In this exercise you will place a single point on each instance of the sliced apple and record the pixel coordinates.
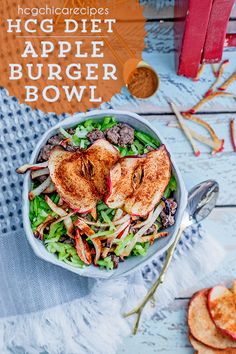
(72, 184)
(201, 325)
(81, 177)
(101, 157)
(203, 349)
(121, 179)
(138, 183)
(222, 307)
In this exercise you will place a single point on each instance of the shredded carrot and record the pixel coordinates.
(200, 71)
(218, 77)
(228, 82)
(209, 98)
(232, 134)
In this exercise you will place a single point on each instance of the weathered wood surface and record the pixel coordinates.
(167, 332)
(195, 169)
(160, 53)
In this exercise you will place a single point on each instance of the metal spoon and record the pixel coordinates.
(201, 201)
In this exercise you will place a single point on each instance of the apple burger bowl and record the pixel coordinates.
(102, 195)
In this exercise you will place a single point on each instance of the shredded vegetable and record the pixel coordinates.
(33, 167)
(106, 263)
(103, 236)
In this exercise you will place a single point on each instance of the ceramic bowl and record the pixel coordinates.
(133, 263)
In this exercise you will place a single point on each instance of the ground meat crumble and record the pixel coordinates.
(121, 135)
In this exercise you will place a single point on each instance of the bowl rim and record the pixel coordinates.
(67, 122)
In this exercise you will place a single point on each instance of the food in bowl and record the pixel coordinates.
(101, 191)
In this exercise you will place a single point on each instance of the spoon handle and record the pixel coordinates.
(170, 252)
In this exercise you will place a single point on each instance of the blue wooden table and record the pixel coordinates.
(167, 332)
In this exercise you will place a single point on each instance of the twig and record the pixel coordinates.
(139, 309)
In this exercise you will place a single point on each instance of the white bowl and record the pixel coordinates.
(133, 263)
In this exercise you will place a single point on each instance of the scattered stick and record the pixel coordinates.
(218, 77)
(200, 71)
(217, 147)
(221, 68)
(228, 82)
(204, 124)
(210, 97)
(214, 69)
(185, 128)
(232, 134)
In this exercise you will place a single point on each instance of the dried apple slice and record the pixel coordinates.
(201, 325)
(203, 349)
(121, 179)
(100, 157)
(222, 307)
(138, 183)
(81, 177)
(72, 183)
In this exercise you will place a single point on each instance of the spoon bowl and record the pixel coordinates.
(202, 199)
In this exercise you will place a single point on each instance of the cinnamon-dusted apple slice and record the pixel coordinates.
(123, 176)
(101, 157)
(81, 177)
(222, 307)
(138, 183)
(201, 325)
(203, 349)
(68, 173)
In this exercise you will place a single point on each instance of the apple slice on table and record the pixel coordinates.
(201, 326)
(222, 307)
(203, 349)
(138, 183)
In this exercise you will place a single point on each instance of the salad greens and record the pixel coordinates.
(54, 233)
